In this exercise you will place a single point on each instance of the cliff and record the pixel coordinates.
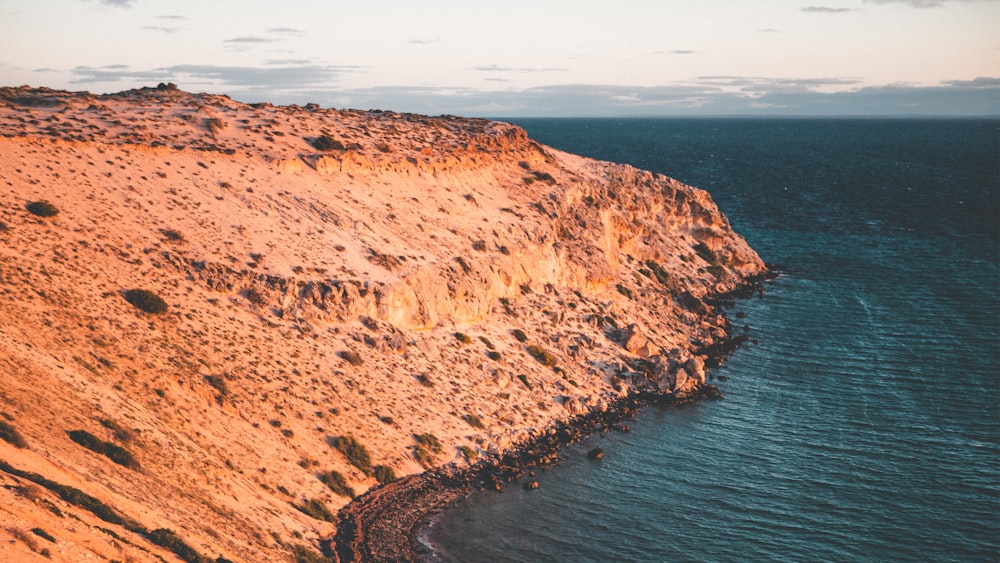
(218, 320)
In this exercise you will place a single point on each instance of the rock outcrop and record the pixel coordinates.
(426, 291)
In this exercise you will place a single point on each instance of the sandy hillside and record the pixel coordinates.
(416, 291)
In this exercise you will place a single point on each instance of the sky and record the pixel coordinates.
(525, 58)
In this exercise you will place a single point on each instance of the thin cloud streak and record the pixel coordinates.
(825, 10)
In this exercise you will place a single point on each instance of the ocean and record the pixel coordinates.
(862, 423)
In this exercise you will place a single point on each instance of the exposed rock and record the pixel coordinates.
(596, 453)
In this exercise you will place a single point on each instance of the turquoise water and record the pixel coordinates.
(865, 424)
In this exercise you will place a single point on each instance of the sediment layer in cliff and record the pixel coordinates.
(349, 296)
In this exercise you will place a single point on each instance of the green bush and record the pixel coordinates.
(473, 420)
(524, 380)
(463, 338)
(351, 357)
(304, 554)
(355, 452)
(42, 209)
(168, 539)
(542, 355)
(493, 355)
(327, 143)
(519, 335)
(705, 253)
(469, 453)
(115, 453)
(10, 435)
(486, 341)
(315, 508)
(337, 483)
(383, 474)
(427, 446)
(146, 300)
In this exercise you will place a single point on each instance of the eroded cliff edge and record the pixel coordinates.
(351, 296)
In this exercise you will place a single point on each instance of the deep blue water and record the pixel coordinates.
(865, 425)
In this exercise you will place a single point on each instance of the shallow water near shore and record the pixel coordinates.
(865, 423)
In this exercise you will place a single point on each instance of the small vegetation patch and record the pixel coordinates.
(315, 508)
(172, 234)
(305, 554)
(42, 209)
(337, 483)
(524, 379)
(383, 474)
(146, 301)
(427, 447)
(351, 357)
(169, 540)
(355, 452)
(705, 253)
(486, 341)
(327, 143)
(463, 338)
(624, 290)
(542, 355)
(473, 420)
(10, 435)
(114, 452)
(519, 335)
(493, 355)
(469, 453)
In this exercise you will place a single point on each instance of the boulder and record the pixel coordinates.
(637, 343)
(696, 369)
(596, 453)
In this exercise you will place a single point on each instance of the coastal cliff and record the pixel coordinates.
(219, 322)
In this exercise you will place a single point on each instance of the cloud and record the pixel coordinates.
(281, 80)
(250, 39)
(172, 18)
(825, 10)
(162, 29)
(119, 3)
(286, 31)
(498, 68)
(712, 96)
(422, 41)
(914, 3)
(767, 30)
(681, 52)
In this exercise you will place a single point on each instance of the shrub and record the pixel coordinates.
(351, 357)
(493, 355)
(463, 338)
(214, 125)
(337, 483)
(315, 508)
(542, 355)
(218, 382)
(624, 290)
(473, 420)
(427, 446)
(487, 342)
(10, 435)
(42, 209)
(519, 335)
(168, 539)
(3, 227)
(172, 234)
(469, 453)
(304, 554)
(43, 534)
(355, 452)
(327, 143)
(524, 380)
(383, 474)
(705, 253)
(256, 297)
(115, 453)
(146, 301)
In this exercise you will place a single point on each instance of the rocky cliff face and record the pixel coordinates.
(413, 292)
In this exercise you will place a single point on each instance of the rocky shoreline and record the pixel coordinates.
(384, 524)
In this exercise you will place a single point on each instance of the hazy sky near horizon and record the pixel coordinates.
(525, 58)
